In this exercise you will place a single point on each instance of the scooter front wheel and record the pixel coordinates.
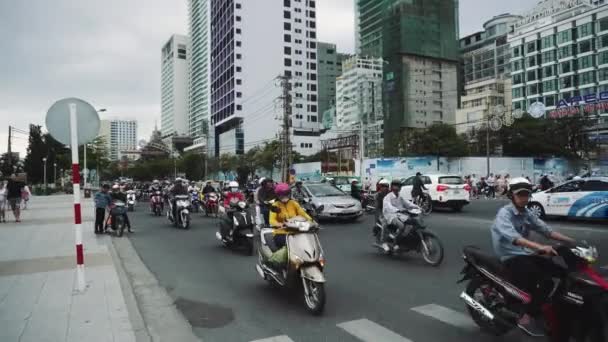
(314, 296)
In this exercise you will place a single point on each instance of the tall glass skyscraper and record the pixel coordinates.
(198, 118)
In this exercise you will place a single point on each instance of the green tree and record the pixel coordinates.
(193, 164)
(440, 140)
(227, 162)
(270, 156)
(9, 164)
(36, 150)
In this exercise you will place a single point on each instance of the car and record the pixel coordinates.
(336, 203)
(583, 198)
(445, 190)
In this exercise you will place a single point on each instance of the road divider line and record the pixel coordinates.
(281, 338)
(368, 331)
(446, 315)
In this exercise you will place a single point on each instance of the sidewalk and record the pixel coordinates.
(37, 278)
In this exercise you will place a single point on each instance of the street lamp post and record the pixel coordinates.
(54, 174)
(44, 173)
(85, 166)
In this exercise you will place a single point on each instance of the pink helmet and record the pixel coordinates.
(282, 190)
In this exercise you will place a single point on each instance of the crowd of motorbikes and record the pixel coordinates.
(494, 304)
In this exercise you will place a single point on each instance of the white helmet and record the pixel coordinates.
(384, 182)
(155, 181)
(519, 184)
(261, 180)
(577, 178)
(234, 186)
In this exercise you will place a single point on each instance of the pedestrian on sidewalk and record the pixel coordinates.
(13, 195)
(2, 201)
(25, 195)
(102, 202)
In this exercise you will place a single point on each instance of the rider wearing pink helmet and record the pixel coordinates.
(283, 210)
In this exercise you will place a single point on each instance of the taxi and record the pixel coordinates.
(583, 198)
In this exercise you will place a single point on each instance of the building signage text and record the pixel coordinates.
(589, 103)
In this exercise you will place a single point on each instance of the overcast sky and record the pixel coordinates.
(108, 52)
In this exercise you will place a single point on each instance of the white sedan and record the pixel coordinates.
(445, 190)
(586, 197)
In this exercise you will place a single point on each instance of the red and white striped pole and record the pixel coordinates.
(77, 212)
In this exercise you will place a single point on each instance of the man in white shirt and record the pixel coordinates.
(394, 210)
(491, 181)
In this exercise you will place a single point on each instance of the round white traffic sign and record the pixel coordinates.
(495, 123)
(58, 121)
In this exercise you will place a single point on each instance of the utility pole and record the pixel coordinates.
(286, 137)
(10, 155)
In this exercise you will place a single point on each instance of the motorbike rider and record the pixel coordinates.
(118, 195)
(284, 209)
(525, 259)
(208, 189)
(233, 194)
(418, 186)
(392, 205)
(153, 189)
(383, 187)
(298, 192)
(355, 191)
(178, 188)
(265, 194)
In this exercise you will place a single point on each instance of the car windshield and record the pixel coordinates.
(324, 190)
(453, 180)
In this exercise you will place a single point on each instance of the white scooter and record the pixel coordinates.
(131, 200)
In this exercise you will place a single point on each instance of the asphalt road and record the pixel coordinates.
(370, 297)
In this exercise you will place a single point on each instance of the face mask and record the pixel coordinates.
(234, 189)
(284, 200)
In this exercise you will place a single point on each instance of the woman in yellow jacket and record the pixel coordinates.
(287, 209)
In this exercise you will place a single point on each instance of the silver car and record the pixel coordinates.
(336, 204)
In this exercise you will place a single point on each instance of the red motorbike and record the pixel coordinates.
(578, 305)
(156, 203)
(211, 204)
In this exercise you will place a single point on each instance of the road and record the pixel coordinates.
(370, 297)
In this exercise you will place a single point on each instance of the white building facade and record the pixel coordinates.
(251, 46)
(359, 98)
(120, 135)
(199, 59)
(174, 87)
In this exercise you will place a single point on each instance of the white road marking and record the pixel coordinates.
(282, 338)
(368, 331)
(447, 316)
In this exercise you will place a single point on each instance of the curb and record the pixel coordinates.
(155, 316)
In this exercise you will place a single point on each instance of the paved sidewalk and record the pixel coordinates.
(37, 278)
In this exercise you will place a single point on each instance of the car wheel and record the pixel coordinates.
(537, 209)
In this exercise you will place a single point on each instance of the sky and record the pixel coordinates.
(108, 53)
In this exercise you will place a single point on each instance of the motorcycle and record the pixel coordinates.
(182, 210)
(156, 203)
(195, 200)
(578, 305)
(368, 202)
(131, 199)
(116, 220)
(211, 204)
(305, 262)
(310, 208)
(418, 238)
(236, 228)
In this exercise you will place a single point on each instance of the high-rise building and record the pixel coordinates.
(174, 87)
(559, 61)
(369, 15)
(199, 89)
(420, 47)
(359, 101)
(485, 70)
(330, 67)
(120, 135)
(250, 46)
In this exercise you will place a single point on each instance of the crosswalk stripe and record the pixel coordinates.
(282, 338)
(368, 331)
(447, 316)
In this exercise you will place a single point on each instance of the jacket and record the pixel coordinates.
(393, 203)
(288, 210)
(230, 195)
(102, 199)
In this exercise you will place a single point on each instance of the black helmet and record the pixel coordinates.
(396, 182)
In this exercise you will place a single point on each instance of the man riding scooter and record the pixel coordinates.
(383, 187)
(118, 195)
(178, 188)
(523, 258)
(233, 195)
(392, 206)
